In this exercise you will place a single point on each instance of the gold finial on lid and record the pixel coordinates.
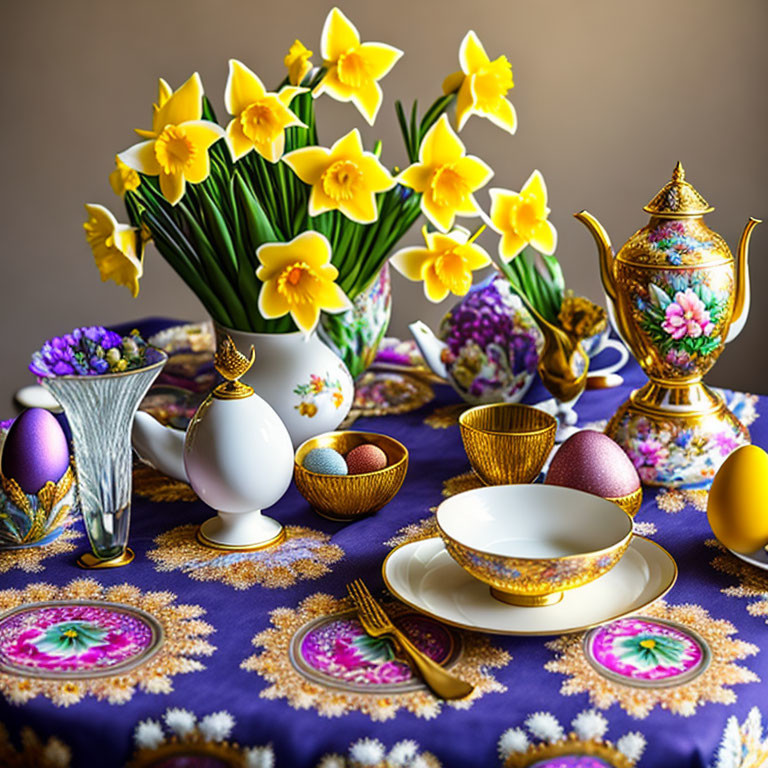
(231, 364)
(678, 198)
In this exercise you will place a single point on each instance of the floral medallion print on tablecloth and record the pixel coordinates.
(467, 481)
(422, 529)
(318, 657)
(676, 500)
(384, 393)
(743, 745)
(156, 486)
(66, 643)
(305, 554)
(30, 558)
(180, 740)
(543, 743)
(33, 752)
(672, 655)
(753, 582)
(371, 753)
(445, 416)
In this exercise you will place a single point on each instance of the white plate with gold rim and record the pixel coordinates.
(424, 576)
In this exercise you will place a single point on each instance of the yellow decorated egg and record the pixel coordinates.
(738, 500)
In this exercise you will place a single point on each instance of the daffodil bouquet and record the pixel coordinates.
(267, 226)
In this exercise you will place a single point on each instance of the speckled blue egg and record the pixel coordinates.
(325, 461)
(35, 450)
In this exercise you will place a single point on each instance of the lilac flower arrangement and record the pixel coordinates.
(89, 351)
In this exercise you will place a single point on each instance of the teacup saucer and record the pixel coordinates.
(424, 576)
(758, 558)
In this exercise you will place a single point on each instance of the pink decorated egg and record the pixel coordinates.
(590, 461)
(366, 458)
(35, 450)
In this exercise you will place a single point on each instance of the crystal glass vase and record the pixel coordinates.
(100, 412)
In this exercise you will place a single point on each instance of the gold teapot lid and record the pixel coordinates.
(231, 364)
(678, 198)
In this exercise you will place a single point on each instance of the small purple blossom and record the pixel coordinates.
(89, 351)
(725, 442)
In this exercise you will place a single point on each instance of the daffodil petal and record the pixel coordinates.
(379, 58)
(367, 98)
(243, 87)
(141, 157)
(202, 134)
(272, 150)
(409, 262)
(472, 55)
(184, 105)
(164, 92)
(289, 92)
(308, 163)
(145, 134)
(348, 146)
(360, 208)
(272, 304)
(104, 218)
(312, 247)
(377, 177)
(441, 145)
(465, 103)
(501, 208)
(475, 256)
(273, 258)
(416, 176)
(319, 202)
(504, 116)
(441, 216)
(305, 316)
(434, 288)
(172, 186)
(474, 171)
(331, 298)
(331, 85)
(339, 35)
(544, 238)
(535, 187)
(239, 144)
(510, 245)
(468, 207)
(453, 82)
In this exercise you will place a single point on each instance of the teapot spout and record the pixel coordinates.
(430, 347)
(742, 297)
(605, 250)
(159, 446)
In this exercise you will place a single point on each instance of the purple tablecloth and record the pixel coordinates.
(683, 725)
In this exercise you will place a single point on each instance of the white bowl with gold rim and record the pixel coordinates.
(530, 543)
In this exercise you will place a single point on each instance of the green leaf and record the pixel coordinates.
(258, 225)
(658, 296)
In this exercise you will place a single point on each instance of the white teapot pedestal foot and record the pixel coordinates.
(241, 531)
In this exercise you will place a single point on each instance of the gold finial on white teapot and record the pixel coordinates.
(232, 364)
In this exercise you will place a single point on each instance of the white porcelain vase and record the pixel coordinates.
(305, 382)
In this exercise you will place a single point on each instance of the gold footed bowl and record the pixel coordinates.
(531, 543)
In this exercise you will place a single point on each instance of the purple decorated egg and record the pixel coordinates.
(35, 450)
(590, 461)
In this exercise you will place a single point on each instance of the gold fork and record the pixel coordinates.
(376, 623)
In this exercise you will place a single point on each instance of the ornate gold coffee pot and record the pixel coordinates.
(677, 298)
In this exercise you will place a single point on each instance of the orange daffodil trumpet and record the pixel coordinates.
(445, 265)
(446, 176)
(260, 117)
(117, 248)
(297, 62)
(344, 178)
(521, 218)
(481, 86)
(354, 68)
(176, 149)
(298, 278)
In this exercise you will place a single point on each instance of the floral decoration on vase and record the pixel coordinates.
(317, 656)
(371, 753)
(66, 643)
(305, 554)
(743, 745)
(544, 743)
(319, 387)
(181, 739)
(33, 751)
(676, 657)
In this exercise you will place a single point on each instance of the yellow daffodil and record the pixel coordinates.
(117, 248)
(260, 117)
(482, 86)
(298, 277)
(343, 178)
(176, 149)
(297, 62)
(522, 218)
(123, 179)
(354, 68)
(446, 176)
(445, 265)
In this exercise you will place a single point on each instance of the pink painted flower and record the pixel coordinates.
(687, 316)
(726, 443)
(647, 456)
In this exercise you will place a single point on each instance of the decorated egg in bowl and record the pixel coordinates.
(530, 543)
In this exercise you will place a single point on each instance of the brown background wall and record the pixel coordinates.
(609, 95)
